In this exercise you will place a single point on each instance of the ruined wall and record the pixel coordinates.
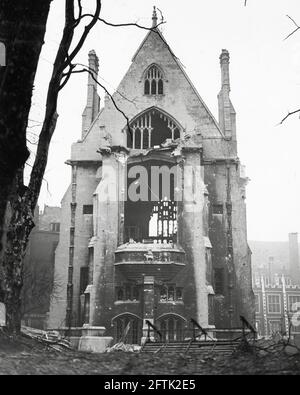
(58, 305)
(237, 287)
(181, 101)
(105, 244)
(86, 183)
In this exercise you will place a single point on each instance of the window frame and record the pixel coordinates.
(257, 311)
(158, 80)
(268, 303)
(290, 304)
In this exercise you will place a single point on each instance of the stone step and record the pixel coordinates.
(222, 347)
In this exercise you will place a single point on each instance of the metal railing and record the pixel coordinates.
(152, 328)
(195, 332)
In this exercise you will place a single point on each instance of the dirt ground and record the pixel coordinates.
(23, 357)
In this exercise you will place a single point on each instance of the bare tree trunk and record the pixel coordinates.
(24, 200)
(20, 226)
(22, 30)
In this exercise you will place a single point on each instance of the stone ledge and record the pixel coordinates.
(89, 330)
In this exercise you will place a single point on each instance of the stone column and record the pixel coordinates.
(192, 232)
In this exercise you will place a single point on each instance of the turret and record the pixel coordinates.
(154, 17)
(93, 100)
(226, 110)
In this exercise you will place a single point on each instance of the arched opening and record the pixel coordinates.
(150, 211)
(171, 327)
(151, 129)
(127, 328)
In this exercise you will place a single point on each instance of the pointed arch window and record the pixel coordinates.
(151, 129)
(153, 81)
(172, 328)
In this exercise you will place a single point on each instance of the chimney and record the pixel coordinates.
(226, 110)
(294, 258)
(93, 100)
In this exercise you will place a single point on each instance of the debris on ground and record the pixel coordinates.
(28, 356)
(51, 339)
(121, 346)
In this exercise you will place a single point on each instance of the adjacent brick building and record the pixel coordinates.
(39, 279)
(276, 285)
(157, 257)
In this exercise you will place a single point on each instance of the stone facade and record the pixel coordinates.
(39, 278)
(276, 286)
(277, 305)
(119, 262)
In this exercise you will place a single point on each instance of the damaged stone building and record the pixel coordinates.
(134, 244)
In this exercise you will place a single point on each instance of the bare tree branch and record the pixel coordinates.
(87, 29)
(294, 31)
(79, 9)
(295, 23)
(87, 70)
(124, 24)
(63, 59)
(288, 115)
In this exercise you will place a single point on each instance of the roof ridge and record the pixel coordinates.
(180, 65)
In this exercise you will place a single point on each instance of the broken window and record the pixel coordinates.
(170, 293)
(151, 129)
(153, 84)
(128, 292)
(150, 211)
(163, 221)
(154, 222)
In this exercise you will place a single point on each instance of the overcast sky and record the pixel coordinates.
(265, 85)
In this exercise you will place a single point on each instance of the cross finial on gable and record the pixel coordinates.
(154, 17)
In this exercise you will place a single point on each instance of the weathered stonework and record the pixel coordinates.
(133, 280)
